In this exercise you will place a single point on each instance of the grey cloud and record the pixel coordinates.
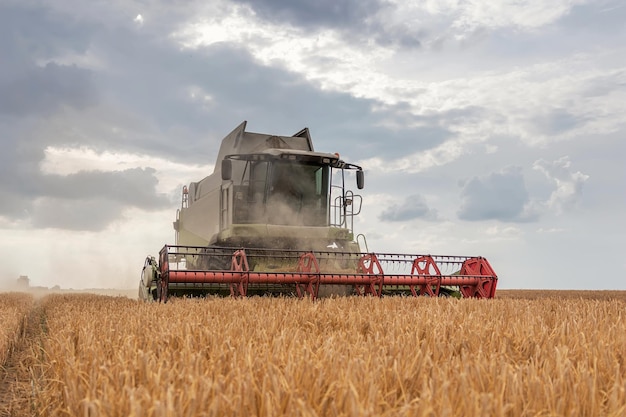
(363, 141)
(21, 153)
(29, 34)
(357, 20)
(605, 84)
(42, 90)
(36, 197)
(556, 121)
(132, 187)
(29, 82)
(26, 192)
(272, 100)
(83, 214)
(594, 19)
(335, 13)
(14, 205)
(393, 131)
(497, 196)
(406, 36)
(413, 207)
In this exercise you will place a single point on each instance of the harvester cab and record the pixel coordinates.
(275, 216)
(271, 192)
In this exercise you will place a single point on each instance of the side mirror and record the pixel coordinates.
(227, 169)
(360, 179)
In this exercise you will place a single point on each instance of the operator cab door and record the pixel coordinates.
(226, 204)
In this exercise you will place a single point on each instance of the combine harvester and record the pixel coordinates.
(276, 217)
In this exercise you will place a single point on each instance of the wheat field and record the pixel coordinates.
(13, 310)
(516, 355)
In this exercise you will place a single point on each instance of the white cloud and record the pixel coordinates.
(551, 230)
(525, 15)
(538, 103)
(504, 232)
(504, 196)
(322, 55)
(201, 97)
(568, 183)
(419, 161)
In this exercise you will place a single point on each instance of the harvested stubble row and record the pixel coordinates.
(354, 356)
(13, 310)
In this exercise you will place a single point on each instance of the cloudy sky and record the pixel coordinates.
(485, 128)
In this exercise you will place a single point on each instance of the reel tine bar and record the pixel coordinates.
(417, 274)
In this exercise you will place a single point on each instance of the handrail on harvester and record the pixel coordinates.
(307, 270)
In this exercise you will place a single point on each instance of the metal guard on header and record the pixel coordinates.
(307, 270)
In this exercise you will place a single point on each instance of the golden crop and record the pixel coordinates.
(13, 309)
(356, 356)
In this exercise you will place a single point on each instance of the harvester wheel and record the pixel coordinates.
(162, 291)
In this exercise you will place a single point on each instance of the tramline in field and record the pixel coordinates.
(276, 217)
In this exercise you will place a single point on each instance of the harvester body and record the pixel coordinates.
(275, 216)
(269, 191)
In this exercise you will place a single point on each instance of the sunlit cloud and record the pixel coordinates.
(66, 161)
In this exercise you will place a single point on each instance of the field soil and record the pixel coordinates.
(14, 372)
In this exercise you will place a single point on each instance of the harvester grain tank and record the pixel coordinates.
(275, 216)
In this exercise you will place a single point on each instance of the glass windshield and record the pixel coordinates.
(282, 193)
(298, 194)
